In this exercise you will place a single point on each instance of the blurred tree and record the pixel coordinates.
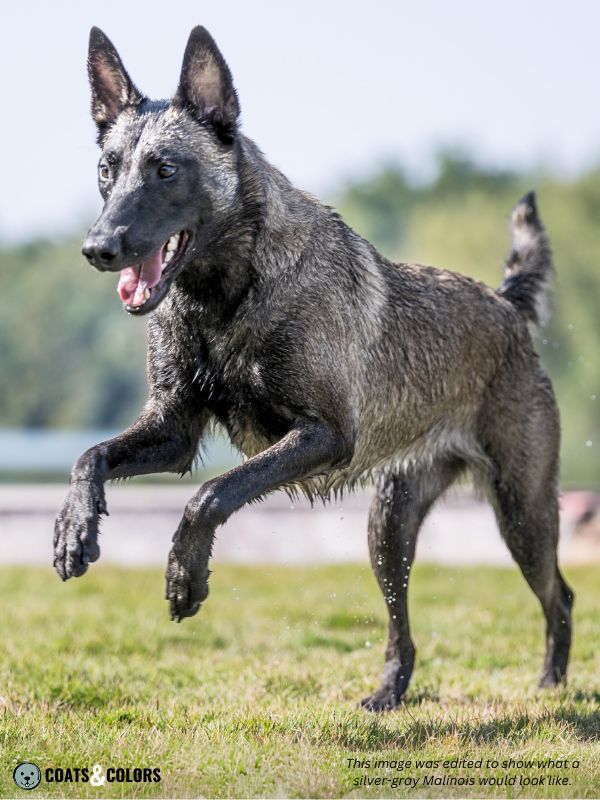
(69, 357)
(381, 205)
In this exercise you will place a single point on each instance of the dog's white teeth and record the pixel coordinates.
(173, 243)
(140, 298)
(172, 247)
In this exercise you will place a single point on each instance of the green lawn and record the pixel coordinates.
(257, 695)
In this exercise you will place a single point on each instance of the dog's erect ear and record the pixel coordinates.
(112, 88)
(206, 85)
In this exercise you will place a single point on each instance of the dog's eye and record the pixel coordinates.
(166, 171)
(103, 172)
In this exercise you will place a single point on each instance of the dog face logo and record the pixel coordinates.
(27, 775)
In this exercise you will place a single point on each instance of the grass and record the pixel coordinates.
(257, 696)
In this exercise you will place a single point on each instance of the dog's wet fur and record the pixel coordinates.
(327, 364)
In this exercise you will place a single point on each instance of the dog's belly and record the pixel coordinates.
(447, 437)
(249, 441)
(255, 428)
(383, 442)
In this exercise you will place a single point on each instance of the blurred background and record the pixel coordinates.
(423, 123)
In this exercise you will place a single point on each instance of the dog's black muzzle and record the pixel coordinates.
(104, 249)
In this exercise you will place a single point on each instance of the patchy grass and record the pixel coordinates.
(257, 696)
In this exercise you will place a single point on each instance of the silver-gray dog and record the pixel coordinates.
(326, 363)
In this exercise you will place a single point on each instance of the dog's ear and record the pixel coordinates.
(206, 86)
(112, 88)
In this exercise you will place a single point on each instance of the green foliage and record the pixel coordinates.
(70, 357)
(257, 696)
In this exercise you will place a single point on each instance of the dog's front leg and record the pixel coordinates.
(307, 450)
(163, 439)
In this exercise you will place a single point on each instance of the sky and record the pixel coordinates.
(330, 89)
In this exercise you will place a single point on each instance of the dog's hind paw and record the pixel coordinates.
(76, 530)
(384, 699)
(187, 585)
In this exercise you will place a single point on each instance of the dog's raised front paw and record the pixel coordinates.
(76, 529)
(187, 584)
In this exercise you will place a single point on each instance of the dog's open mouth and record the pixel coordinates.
(143, 286)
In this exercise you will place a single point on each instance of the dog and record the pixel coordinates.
(327, 364)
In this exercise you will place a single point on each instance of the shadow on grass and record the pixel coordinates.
(401, 729)
(586, 697)
(86, 695)
(329, 642)
(585, 723)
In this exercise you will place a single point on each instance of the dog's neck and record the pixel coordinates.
(248, 248)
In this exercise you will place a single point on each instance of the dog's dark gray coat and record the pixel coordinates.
(326, 363)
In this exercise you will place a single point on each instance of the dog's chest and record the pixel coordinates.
(234, 388)
(234, 385)
(224, 370)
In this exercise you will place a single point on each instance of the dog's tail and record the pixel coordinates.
(529, 268)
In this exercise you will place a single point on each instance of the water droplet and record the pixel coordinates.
(589, 443)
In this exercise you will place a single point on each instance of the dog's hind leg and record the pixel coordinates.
(524, 452)
(401, 502)
(529, 525)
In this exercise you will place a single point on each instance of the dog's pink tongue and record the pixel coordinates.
(134, 281)
(128, 282)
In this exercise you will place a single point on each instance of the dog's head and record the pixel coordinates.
(167, 172)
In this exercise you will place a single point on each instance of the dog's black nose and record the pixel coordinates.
(101, 251)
